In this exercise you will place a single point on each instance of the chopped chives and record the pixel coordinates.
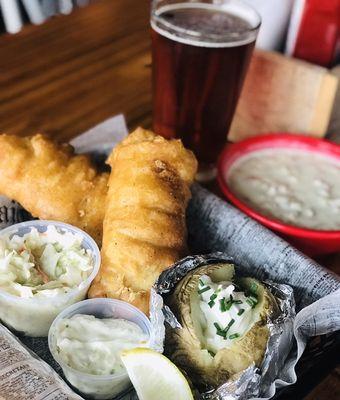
(204, 289)
(220, 331)
(253, 288)
(228, 326)
(248, 301)
(213, 296)
(211, 303)
(252, 302)
(241, 311)
(234, 336)
(218, 328)
(223, 305)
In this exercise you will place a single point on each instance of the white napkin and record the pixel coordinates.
(102, 137)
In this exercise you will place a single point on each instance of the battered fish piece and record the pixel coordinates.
(144, 228)
(50, 182)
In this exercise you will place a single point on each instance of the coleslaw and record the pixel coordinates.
(43, 264)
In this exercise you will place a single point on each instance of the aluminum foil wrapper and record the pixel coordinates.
(253, 382)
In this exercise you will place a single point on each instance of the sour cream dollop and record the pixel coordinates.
(93, 345)
(228, 312)
(43, 264)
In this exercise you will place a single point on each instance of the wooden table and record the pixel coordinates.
(71, 73)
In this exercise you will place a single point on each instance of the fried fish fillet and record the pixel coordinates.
(50, 182)
(144, 228)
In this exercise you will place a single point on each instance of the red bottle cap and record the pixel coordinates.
(314, 31)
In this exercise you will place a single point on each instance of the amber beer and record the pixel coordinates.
(201, 53)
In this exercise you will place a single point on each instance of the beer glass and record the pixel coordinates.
(201, 50)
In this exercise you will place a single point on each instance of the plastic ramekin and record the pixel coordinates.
(34, 316)
(99, 386)
(311, 241)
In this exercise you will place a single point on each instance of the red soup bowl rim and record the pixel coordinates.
(234, 151)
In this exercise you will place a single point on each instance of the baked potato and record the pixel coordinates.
(224, 324)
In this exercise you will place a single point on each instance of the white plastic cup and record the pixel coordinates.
(34, 316)
(99, 386)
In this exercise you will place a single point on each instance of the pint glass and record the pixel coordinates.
(201, 51)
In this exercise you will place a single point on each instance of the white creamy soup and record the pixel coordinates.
(294, 186)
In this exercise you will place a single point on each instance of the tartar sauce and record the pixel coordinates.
(228, 312)
(93, 345)
(297, 187)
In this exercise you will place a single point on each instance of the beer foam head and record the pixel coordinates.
(228, 24)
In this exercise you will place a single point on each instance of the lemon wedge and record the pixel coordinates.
(154, 376)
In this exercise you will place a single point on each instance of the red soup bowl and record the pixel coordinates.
(311, 241)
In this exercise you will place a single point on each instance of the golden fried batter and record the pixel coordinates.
(50, 182)
(144, 224)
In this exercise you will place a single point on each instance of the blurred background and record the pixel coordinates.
(16, 13)
(296, 27)
(48, 45)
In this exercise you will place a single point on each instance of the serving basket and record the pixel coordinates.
(214, 225)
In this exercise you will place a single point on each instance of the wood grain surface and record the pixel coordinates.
(74, 71)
